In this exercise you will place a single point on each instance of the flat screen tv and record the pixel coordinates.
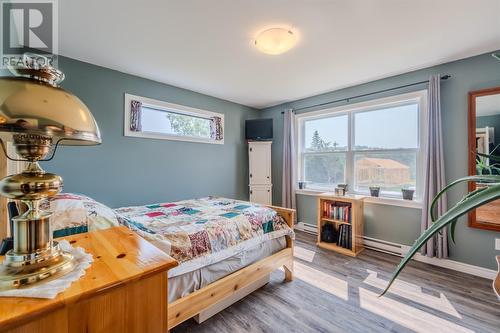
(259, 129)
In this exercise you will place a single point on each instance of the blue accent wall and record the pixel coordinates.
(397, 224)
(126, 171)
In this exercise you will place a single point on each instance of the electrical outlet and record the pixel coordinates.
(497, 244)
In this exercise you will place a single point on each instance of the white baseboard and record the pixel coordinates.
(400, 250)
(458, 266)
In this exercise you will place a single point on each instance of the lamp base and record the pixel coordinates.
(21, 270)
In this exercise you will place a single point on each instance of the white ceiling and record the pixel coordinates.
(206, 46)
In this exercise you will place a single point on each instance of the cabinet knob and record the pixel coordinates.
(251, 192)
(250, 149)
(268, 190)
(267, 177)
(250, 175)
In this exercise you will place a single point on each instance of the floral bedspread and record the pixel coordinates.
(203, 231)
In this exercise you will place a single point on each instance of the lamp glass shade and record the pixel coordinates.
(275, 41)
(35, 107)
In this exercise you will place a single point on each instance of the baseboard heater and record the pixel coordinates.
(306, 227)
(385, 246)
(368, 242)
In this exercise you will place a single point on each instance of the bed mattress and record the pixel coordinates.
(184, 284)
(201, 232)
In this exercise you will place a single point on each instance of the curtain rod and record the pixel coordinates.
(347, 99)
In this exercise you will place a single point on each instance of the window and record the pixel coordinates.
(149, 118)
(376, 143)
(325, 150)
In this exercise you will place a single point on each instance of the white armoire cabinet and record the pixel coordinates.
(259, 157)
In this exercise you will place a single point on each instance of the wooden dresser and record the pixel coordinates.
(124, 290)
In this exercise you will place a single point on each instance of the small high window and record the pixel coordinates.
(149, 118)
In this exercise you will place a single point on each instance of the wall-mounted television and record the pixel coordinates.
(259, 129)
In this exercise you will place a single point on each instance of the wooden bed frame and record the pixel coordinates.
(191, 305)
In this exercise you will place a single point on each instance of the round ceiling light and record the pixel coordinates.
(275, 41)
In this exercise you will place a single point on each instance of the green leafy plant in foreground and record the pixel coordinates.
(473, 200)
(484, 165)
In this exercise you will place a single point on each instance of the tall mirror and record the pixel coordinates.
(484, 137)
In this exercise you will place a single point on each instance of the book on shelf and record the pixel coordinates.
(344, 236)
(339, 236)
(338, 212)
(349, 238)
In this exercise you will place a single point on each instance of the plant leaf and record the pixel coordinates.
(492, 157)
(477, 199)
(485, 178)
(454, 223)
(452, 230)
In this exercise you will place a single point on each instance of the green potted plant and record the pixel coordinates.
(471, 201)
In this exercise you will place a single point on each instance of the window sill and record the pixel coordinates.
(394, 202)
(160, 136)
(367, 199)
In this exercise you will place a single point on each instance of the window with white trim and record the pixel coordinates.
(149, 118)
(375, 143)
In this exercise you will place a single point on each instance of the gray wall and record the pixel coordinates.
(402, 225)
(133, 171)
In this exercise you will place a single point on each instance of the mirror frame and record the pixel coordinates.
(473, 95)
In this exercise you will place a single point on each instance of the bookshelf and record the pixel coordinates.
(344, 217)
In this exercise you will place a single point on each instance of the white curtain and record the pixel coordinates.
(434, 177)
(288, 181)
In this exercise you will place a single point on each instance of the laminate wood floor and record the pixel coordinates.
(335, 293)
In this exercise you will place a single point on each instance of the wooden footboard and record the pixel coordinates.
(194, 303)
(288, 215)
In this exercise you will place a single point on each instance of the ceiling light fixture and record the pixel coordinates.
(275, 41)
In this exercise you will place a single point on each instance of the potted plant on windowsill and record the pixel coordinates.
(479, 197)
(302, 184)
(407, 192)
(374, 190)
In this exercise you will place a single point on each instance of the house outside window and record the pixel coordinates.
(374, 143)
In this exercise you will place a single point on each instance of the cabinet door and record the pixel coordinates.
(261, 195)
(260, 163)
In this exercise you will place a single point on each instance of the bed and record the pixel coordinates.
(225, 248)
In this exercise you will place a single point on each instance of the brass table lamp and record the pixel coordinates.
(37, 116)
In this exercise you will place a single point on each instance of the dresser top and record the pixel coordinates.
(120, 256)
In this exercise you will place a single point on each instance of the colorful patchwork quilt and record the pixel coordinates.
(203, 231)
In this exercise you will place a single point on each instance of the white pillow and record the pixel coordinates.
(75, 213)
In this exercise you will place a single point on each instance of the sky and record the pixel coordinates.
(391, 128)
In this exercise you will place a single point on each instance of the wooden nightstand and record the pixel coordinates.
(124, 290)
